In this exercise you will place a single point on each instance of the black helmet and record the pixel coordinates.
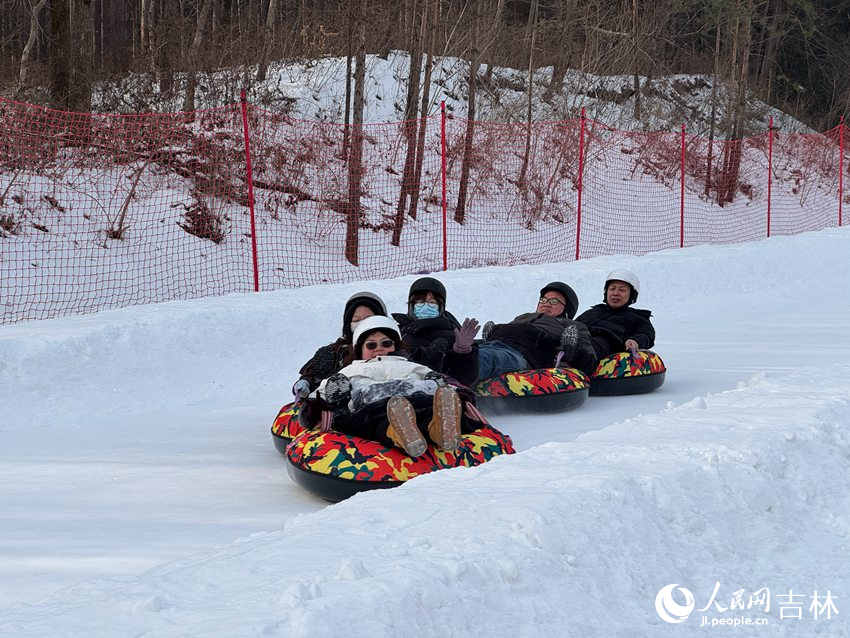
(426, 285)
(570, 295)
(368, 299)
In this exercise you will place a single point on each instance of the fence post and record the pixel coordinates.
(841, 127)
(580, 183)
(443, 171)
(682, 195)
(250, 191)
(769, 169)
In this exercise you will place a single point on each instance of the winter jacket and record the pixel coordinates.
(380, 378)
(537, 337)
(430, 342)
(326, 361)
(373, 383)
(611, 327)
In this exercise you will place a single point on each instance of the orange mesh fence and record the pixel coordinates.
(104, 211)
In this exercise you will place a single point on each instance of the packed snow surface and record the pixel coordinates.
(140, 493)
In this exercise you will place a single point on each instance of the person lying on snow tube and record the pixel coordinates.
(331, 358)
(614, 326)
(545, 338)
(385, 397)
(433, 337)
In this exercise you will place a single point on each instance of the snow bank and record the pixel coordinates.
(568, 539)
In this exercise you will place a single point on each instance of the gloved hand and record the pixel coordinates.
(301, 389)
(465, 335)
(488, 328)
(337, 390)
(436, 376)
(324, 363)
(632, 346)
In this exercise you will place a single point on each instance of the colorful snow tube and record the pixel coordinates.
(286, 427)
(626, 373)
(335, 466)
(543, 390)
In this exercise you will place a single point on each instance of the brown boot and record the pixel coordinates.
(444, 428)
(402, 430)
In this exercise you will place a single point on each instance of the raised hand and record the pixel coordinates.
(465, 335)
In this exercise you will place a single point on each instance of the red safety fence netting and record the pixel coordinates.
(104, 211)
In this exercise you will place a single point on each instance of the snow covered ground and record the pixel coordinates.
(140, 493)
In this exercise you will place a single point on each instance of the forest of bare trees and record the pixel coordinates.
(791, 54)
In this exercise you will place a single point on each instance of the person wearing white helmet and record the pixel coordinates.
(614, 325)
(383, 396)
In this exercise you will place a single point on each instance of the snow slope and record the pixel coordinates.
(140, 492)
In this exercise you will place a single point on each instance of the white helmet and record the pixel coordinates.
(377, 322)
(626, 276)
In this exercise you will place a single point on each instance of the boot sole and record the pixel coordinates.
(447, 412)
(402, 420)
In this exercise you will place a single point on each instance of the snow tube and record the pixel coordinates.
(286, 427)
(543, 390)
(626, 373)
(335, 466)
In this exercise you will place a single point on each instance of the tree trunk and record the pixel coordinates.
(636, 53)
(713, 114)
(31, 40)
(82, 52)
(463, 188)
(495, 28)
(410, 122)
(194, 50)
(734, 165)
(355, 155)
(348, 58)
(431, 18)
(59, 47)
(266, 43)
(532, 28)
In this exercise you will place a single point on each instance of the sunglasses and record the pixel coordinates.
(384, 343)
(550, 301)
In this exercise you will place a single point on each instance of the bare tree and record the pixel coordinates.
(194, 51)
(430, 18)
(410, 123)
(532, 35)
(463, 188)
(355, 155)
(35, 11)
(266, 41)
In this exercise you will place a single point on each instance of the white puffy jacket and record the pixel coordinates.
(383, 377)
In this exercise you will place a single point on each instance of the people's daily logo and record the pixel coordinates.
(669, 609)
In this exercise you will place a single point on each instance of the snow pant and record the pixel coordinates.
(495, 358)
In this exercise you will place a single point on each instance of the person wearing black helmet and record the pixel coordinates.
(614, 325)
(330, 358)
(433, 337)
(541, 339)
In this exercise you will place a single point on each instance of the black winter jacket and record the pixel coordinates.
(611, 327)
(537, 337)
(430, 342)
(326, 361)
